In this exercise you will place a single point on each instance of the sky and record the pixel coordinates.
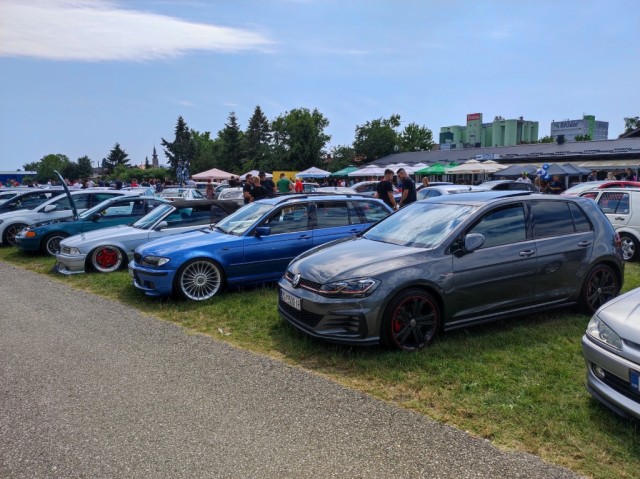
(79, 76)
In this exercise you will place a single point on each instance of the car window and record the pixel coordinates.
(368, 211)
(614, 202)
(551, 218)
(289, 219)
(100, 197)
(81, 201)
(504, 225)
(580, 221)
(331, 214)
(62, 203)
(125, 208)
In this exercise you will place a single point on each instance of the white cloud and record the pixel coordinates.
(99, 30)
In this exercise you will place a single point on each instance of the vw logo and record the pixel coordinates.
(296, 281)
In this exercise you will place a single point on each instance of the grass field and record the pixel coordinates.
(517, 382)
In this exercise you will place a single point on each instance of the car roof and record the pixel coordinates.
(227, 205)
(482, 197)
(298, 197)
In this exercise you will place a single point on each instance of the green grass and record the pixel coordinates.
(518, 382)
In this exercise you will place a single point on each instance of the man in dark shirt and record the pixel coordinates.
(246, 189)
(384, 190)
(267, 184)
(258, 191)
(408, 188)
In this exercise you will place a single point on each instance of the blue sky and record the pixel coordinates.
(77, 76)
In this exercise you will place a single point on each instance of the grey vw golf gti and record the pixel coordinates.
(453, 261)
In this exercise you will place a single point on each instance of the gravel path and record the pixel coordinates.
(91, 388)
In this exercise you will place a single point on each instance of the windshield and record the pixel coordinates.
(243, 219)
(152, 217)
(422, 225)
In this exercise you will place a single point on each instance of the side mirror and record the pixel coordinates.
(473, 241)
(96, 217)
(50, 208)
(263, 231)
(162, 225)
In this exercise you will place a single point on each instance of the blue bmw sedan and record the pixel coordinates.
(254, 245)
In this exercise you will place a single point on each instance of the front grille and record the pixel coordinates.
(137, 257)
(309, 319)
(620, 385)
(304, 283)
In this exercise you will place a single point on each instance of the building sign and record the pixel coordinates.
(489, 156)
(565, 124)
(474, 116)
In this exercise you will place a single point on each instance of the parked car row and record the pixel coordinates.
(351, 271)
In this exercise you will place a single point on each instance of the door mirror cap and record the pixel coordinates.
(472, 242)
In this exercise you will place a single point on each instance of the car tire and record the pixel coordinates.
(10, 232)
(51, 243)
(199, 280)
(600, 285)
(630, 247)
(411, 320)
(107, 259)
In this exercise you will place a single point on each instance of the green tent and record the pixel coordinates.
(345, 171)
(435, 169)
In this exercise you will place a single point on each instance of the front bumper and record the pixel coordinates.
(338, 321)
(153, 282)
(614, 390)
(70, 264)
(27, 244)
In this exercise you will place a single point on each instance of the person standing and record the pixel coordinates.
(267, 184)
(246, 189)
(208, 190)
(284, 184)
(408, 188)
(384, 190)
(258, 191)
(299, 188)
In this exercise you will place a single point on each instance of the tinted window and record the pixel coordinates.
(551, 218)
(369, 211)
(613, 202)
(502, 226)
(580, 221)
(100, 197)
(331, 214)
(290, 219)
(202, 215)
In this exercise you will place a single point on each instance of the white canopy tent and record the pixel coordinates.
(313, 172)
(369, 170)
(213, 174)
(254, 173)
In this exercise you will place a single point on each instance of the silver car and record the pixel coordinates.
(110, 249)
(612, 354)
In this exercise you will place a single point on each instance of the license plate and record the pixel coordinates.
(290, 299)
(634, 379)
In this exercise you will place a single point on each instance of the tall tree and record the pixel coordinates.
(299, 139)
(117, 157)
(232, 145)
(258, 138)
(46, 166)
(181, 150)
(631, 123)
(341, 157)
(207, 151)
(377, 138)
(85, 168)
(416, 138)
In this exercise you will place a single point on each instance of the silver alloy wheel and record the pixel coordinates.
(52, 243)
(107, 259)
(629, 247)
(199, 280)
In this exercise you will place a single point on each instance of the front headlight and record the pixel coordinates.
(74, 251)
(154, 261)
(355, 288)
(599, 330)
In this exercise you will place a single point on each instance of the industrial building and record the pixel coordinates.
(476, 134)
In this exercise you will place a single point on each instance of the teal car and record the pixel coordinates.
(46, 236)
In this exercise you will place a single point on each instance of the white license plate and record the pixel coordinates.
(634, 379)
(290, 299)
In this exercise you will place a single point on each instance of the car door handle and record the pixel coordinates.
(304, 236)
(619, 218)
(584, 244)
(528, 252)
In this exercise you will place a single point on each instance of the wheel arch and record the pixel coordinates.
(430, 288)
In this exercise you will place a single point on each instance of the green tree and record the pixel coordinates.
(181, 149)
(582, 138)
(85, 167)
(377, 138)
(546, 139)
(631, 123)
(232, 145)
(46, 166)
(416, 138)
(258, 138)
(341, 156)
(299, 139)
(116, 157)
(207, 151)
